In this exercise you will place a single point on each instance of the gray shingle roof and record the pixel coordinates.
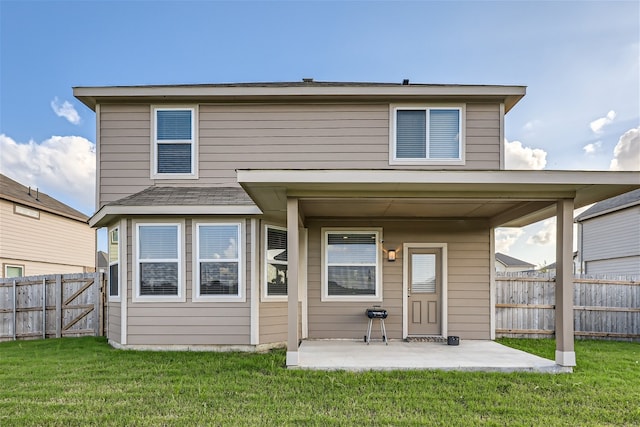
(624, 200)
(187, 196)
(511, 261)
(15, 192)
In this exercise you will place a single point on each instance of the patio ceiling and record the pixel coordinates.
(503, 198)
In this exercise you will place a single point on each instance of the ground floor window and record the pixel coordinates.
(114, 258)
(276, 264)
(351, 265)
(158, 259)
(218, 260)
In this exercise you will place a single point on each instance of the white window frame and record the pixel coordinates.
(325, 297)
(241, 296)
(7, 266)
(180, 297)
(265, 295)
(193, 142)
(115, 229)
(393, 160)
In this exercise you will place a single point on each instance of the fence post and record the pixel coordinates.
(44, 307)
(15, 320)
(58, 306)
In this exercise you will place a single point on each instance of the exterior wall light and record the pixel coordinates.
(391, 255)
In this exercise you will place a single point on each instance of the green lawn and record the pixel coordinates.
(83, 381)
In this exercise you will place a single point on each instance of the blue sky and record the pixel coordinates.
(579, 60)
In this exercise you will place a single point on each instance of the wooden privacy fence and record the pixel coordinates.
(60, 305)
(603, 308)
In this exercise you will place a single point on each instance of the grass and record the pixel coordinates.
(83, 381)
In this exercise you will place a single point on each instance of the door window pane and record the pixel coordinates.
(423, 273)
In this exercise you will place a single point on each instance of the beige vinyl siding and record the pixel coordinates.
(114, 321)
(50, 245)
(273, 136)
(273, 322)
(189, 323)
(124, 150)
(468, 280)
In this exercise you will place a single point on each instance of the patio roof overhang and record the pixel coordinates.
(503, 198)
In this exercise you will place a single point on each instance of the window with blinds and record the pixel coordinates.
(276, 261)
(429, 133)
(352, 262)
(218, 260)
(174, 141)
(158, 257)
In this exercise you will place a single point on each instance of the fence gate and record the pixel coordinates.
(51, 306)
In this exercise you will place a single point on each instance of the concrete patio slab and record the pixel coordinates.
(470, 355)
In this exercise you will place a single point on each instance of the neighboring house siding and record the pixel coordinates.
(266, 136)
(618, 266)
(49, 245)
(189, 323)
(468, 280)
(611, 243)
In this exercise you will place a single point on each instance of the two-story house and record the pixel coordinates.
(40, 235)
(244, 216)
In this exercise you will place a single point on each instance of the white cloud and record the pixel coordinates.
(65, 110)
(592, 148)
(626, 154)
(506, 237)
(519, 157)
(532, 125)
(546, 235)
(597, 125)
(64, 167)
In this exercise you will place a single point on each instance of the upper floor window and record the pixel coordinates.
(427, 135)
(174, 143)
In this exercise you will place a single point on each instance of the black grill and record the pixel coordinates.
(376, 313)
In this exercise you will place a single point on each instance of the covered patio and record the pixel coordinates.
(470, 355)
(482, 200)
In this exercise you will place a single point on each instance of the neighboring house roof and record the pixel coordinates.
(509, 261)
(613, 204)
(179, 201)
(15, 192)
